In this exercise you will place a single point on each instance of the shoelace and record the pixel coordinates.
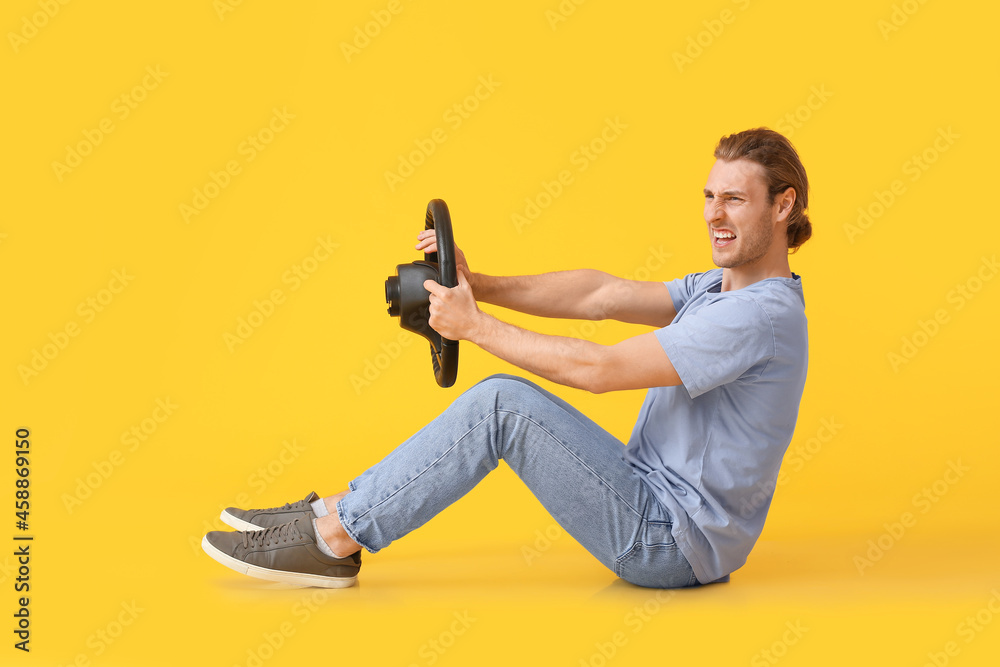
(273, 535)
(287, 506)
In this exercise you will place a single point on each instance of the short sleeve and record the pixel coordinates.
(682, 289)
(718, 343)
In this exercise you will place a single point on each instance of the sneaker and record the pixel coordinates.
(287, 553)
(272, 516)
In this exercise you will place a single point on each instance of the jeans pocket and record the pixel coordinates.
(655, 561)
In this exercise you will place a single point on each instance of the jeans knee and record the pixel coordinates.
(504, 384)
(506, 376)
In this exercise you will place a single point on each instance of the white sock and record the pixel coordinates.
(319, 508)
(321, 543)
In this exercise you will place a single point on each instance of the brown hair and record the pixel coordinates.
(783, 170)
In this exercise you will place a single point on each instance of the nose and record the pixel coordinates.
(714, 210)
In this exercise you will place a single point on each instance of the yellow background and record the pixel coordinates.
(492, 580)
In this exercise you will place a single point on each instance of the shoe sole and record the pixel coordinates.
(238, 523)
(295, 578)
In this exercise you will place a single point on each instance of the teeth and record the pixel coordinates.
(724, 235)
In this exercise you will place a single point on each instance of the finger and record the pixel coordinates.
(434, 288)
(427, 243)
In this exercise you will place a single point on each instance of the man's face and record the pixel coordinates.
(741, 223)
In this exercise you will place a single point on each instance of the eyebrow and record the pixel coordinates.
(727, 192)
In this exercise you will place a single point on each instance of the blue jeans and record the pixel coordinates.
(572, 465)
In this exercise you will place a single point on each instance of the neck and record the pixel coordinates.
(748, 274)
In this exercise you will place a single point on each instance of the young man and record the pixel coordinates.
(684, 502)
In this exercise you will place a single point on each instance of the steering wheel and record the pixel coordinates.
(409, 301)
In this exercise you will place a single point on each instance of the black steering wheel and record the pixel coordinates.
(409, 301)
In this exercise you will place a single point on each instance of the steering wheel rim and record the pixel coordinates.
(445, 359)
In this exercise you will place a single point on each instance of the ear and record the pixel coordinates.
(784, 202)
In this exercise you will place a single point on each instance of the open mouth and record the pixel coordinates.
(722, 237)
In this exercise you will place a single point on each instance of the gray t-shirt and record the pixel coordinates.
(711, 447)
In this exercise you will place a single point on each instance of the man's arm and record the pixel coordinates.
(634, 363)
(583, 294)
